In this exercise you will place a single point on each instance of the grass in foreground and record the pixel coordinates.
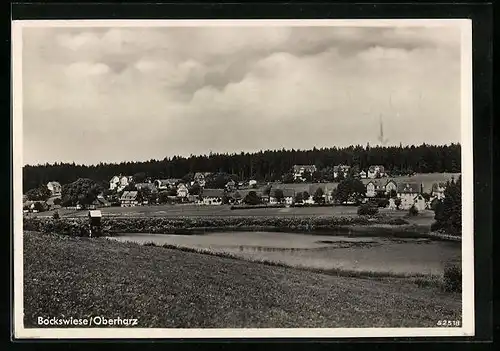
(163, 288)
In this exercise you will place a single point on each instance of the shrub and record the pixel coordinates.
(413, 211)
(382, 202)
(367, 210)
(453, 278)
(56, 215)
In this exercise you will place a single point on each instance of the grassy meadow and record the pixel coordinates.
(165, 288)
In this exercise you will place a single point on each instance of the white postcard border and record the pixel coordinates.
(467, 327)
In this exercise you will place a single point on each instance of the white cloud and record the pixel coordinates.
(180, 91)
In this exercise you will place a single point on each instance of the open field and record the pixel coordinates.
(80, 277)
(220, 211)
(363, 255)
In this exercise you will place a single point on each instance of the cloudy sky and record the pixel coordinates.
(120, 94)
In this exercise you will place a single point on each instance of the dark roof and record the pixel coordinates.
(213, 193)
(129, 195)
(297, 168)
(411, 188)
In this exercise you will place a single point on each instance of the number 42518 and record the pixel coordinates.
(448, 323)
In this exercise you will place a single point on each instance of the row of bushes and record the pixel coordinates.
(247, 207)
(162, 225)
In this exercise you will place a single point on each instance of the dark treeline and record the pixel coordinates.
(264, 165)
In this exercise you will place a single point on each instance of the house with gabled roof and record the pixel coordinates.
(375, 187)
(201, 177)
(129, 199)
(54, 188)
(299, 170)
(212, 196)
(437, 190)
(342, 170)
(375, 171)
(408, 193)
(120, 182)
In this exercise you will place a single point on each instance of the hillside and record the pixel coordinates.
(166, 288)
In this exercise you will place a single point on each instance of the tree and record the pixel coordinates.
(349, 189)
(56, 215)
(305, 195)
(307, 176)
(397, 202)
(393, 194)
(252, 198)
(317, 176)
(448, 212)
(39, 206)
(278, 194)
(318, 196)
(299, 197)
(83, 191)
(195, 189)
(287, 178)
(267, 190)
(139, 177)
(413, 211)
(340, 176)
(42, 193)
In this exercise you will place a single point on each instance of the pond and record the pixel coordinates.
(364, 254)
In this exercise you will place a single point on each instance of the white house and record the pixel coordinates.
(231, 185)
(390, 186)
(119, 183)
(182, 192)
(375, 170)
(373, 187)
(419, 202)
(54, 188)
(299, 170)
(408, 192)
(341, 170)
(129, 199)
(362, 174)
(200, 178)
(438, 190)
(252, 182)
(212, 196)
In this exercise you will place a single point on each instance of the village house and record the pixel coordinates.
(375, 187)
(236, 198)
(408, 193)
(299, 170)
(420, 203)
(390, 186)
(182, 192)
(288, 196)
(120, 182)
(376, 171)
(231, 185)
(437, 190)
(212, 196)
(200, 178)
(341, 170)
(35, 206)
(100, 201)
(54, 202)
(165, 184)
(362, 174)
(129, 199)
(252, 183)
(54, 188)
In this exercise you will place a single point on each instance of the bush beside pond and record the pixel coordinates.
(162, 225)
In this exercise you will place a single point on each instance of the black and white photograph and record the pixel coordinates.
(243, 178)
